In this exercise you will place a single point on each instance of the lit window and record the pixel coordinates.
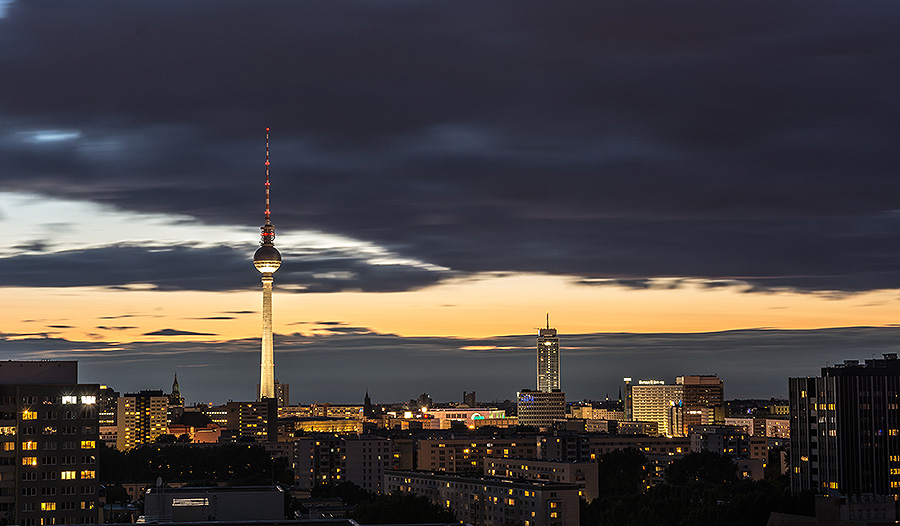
(67, 475)
(88, 444)
(30, 445)
(29, 415)
(48, 506)
(70, 399)
(29, 461)
(88, 399)
(9, 446)
(87, 474)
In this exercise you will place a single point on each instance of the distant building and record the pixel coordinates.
(565, 447)
(469, 416)
(654, 401)
(486, 500)
(703, 398)
(540, 408)
(107, 404)
(469, 399)
(423, 402)
(49, 435)
(733, 441)
(845, 429)
(582, 474)
(368, 410)
(140, 418)
(366, 458)
(466, 455)
(256, 420)
(282, 394)
(547, 359)
(176, 403)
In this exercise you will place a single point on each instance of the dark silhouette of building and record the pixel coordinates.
(49, 435)
(845, 429)
(368, 410)
(469, 399)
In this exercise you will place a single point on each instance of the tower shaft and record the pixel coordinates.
(267, 365)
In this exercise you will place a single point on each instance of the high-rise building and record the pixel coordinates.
(282, 394)
(140, 418)
(703, 399)
(654, 401)
(845, 428)
(49, 435)
(469, 399)
(539, 408)
(256, 420)
(107, 403)
(267, 260)
(547, 359)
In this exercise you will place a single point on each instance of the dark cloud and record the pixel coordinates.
(122, 328)
(750, 141)
(213, 269)
(754, 363)
(215, 318)
(59, 326)
(176, 332)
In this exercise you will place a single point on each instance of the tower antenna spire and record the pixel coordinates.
(267, 176)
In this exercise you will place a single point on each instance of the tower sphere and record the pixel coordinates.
(267, 259)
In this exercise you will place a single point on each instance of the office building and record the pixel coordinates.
(140, 418)
(547, 359)
(49, 434)
(703, 399)
(540, 408)
(654, 401)
(256, 420)
(487, 500)
(845, 428)
(267, 260)
(469, 399)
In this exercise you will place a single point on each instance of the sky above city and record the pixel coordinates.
(687, 188)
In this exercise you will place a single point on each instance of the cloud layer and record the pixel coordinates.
(753, 363)
(751, 141)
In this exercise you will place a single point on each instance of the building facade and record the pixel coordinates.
(256, 420)
(547, 360)
(140, 418)
(467, 455)
(485, 501)
(540, 408)
(703, 398)
(845, 428)
(49, 434)
(654, 401)
(582, 474)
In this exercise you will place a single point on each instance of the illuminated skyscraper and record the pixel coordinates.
(267, 260)
(547, 359)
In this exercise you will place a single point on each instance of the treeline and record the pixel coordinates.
(395, 508)
(702, 489)
(234, 464)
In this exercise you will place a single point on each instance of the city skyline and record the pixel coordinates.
(712, 188)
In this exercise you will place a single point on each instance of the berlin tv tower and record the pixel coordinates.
(267, 260)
